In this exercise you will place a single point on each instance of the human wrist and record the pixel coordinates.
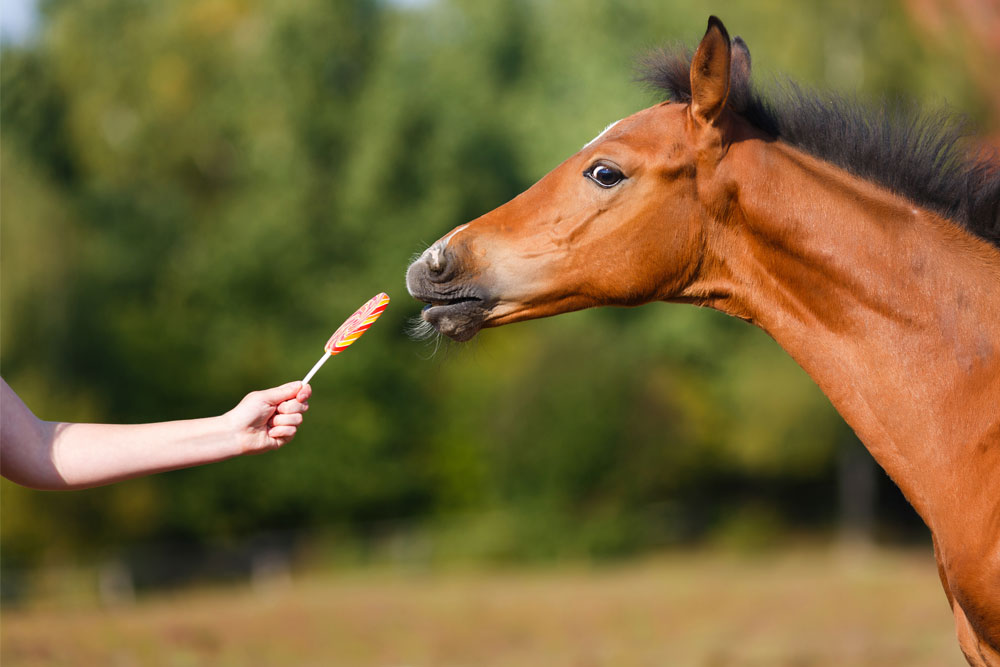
(232, 434)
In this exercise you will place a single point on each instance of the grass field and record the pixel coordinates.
(803, 608)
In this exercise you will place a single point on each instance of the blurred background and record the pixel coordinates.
(195, 193)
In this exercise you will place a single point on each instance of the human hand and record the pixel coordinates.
(267, 419)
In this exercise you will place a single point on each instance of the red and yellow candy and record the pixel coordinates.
(351, 330)
(357, 324)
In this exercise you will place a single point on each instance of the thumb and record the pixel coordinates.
(276, 395)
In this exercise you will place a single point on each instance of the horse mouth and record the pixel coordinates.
(459, 318)
(444, 303)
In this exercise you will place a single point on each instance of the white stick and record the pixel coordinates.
(315, 368)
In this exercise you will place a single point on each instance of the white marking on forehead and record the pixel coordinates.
(447, 239)
(603, 132)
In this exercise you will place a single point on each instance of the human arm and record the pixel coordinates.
(60, 455)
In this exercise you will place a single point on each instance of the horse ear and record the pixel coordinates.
(710, 73)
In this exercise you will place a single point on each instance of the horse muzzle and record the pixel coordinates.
(456, 305)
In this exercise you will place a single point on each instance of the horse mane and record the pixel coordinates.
(923, 156)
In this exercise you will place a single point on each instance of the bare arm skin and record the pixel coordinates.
(60, 455)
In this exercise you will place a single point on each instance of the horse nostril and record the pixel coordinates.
(435, 260)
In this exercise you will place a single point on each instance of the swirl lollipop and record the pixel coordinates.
(351, 330)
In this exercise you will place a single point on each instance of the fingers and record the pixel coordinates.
(282, 433)
(293, 419)
(292, 406)
(288, 402)
(276, 395)
(285, 425)
(289, 397)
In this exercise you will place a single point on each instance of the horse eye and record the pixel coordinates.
(604, 175)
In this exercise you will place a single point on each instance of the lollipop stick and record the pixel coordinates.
(319, 364)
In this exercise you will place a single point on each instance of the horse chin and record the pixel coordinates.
(459, 321)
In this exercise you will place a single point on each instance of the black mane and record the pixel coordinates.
(921, 156)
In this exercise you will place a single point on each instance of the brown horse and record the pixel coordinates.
(863, 242)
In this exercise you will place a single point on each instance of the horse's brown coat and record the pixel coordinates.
(891, 308)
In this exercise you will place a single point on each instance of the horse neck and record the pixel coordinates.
(892, 310)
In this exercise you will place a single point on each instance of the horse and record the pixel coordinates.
(866, 242)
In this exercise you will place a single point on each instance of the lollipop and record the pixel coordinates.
(351, 330)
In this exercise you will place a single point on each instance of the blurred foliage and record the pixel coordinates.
(195, 193)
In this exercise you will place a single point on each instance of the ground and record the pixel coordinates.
(800, 607)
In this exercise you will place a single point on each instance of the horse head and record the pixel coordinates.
(621, 222)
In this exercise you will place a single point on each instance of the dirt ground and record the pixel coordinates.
(802, 608)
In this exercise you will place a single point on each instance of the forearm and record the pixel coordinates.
(59, 455)
(85, 455)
